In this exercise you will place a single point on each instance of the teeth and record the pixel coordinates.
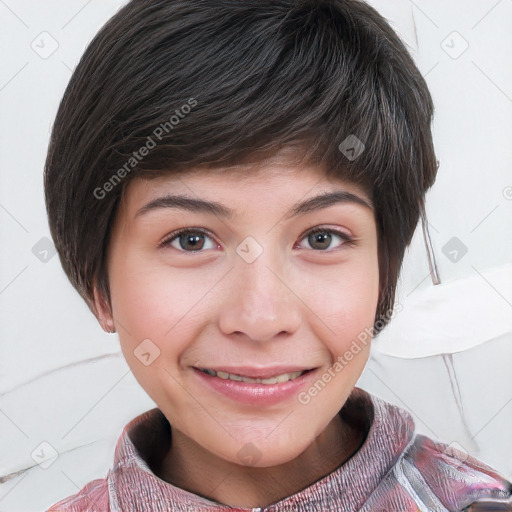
(285, 377)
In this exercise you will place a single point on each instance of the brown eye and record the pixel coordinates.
(189, 240)
(320, 239)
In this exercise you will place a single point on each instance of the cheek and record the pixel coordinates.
(345, 300)
(153, 301)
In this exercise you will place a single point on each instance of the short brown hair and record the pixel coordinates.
(227, 80)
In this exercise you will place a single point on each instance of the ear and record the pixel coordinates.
(103, 311)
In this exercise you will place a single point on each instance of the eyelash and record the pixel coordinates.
(348, 240)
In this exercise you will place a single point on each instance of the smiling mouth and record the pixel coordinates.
(278, 379)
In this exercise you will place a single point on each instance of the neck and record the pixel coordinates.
(188, 466)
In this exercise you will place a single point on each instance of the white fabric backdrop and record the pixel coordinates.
(447, 355)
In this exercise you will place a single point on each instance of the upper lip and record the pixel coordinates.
(257, 372)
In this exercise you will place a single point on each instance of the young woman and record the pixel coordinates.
(231, 186)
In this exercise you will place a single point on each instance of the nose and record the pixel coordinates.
(259, 302)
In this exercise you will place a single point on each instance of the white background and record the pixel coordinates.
(446, 357)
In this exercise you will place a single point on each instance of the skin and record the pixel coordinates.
(295, 304)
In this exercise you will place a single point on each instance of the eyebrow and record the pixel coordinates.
(192, 204)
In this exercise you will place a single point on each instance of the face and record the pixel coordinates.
(248, 289)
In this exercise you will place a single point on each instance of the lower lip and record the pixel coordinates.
(253, 393)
